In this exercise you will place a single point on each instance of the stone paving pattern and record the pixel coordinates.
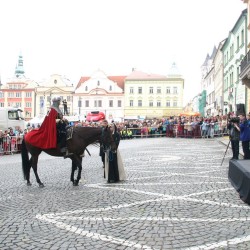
(176, 196)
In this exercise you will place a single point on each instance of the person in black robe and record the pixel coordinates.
(114, 170)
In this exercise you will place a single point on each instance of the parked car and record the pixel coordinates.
(95, 116)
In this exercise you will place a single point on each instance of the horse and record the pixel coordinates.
(81, 138)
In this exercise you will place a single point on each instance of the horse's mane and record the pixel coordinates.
(89, 134)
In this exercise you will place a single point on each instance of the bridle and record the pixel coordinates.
(107, 147)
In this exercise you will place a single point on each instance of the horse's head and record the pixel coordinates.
(107, 139)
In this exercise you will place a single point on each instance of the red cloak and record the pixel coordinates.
(45, 136)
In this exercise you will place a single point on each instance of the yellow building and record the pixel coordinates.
(153, 96)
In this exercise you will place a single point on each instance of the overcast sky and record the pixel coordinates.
(75, 38)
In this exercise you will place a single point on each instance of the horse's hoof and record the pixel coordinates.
(75, 183)
(29, 184)
(41, 185)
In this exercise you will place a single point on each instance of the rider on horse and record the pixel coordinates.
(61, 126)
(52, 130)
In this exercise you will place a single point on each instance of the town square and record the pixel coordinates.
(176, 196)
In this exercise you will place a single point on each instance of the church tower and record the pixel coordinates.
(19, 71)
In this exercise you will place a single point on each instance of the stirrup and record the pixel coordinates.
(67, 154)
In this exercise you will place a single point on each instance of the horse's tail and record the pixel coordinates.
(25, 160)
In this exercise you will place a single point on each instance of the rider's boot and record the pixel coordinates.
(66, 152)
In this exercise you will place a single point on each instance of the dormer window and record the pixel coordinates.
(110, 88)
(55, 81)
(86, 88)
(98, 83)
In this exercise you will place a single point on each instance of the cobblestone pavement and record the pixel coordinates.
(176, 196)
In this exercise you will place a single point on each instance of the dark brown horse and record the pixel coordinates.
(81, 138)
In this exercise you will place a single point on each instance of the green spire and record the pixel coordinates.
(19, 68)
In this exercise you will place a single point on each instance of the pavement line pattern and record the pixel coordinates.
(144, 196)
(92, 235)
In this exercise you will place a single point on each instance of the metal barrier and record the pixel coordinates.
(174, 131)
(10, 145)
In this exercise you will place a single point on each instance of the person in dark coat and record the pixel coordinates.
(234, 136)
(114, 170)
(245, 135)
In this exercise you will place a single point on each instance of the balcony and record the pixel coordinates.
(245, 70)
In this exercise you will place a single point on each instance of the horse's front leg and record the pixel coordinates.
(73, 169)
(76, 163)
(79, 172)
(34, 166)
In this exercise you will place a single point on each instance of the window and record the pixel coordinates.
(12, 115)
(27, 114)
(168, 90)
(119, 103)
(151, 90)
(242, 37)
(28, 104)
(158, 104)
(175, 103)
(87, 103)
(1, 94)
(175, 90)
(11, 94)
(139, 103)
(139, 90)
(238, 42)
(131, 90)
(18, 104)
(86, 88)
(110, 88)
(131, 103)
(167, 103)
(97, 103)
(110, 103)
(151, 103)
(28, 94)
(1, 104)
(158, 90)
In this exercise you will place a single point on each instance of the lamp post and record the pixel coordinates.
(79, 105)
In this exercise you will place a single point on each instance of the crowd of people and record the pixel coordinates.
(173, 126)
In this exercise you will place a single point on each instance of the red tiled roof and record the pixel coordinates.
(118, 79)
(82, 80)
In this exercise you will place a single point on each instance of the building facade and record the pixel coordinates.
(19, 91)
(245, 63)
(100, 92)
(152, 95)
(218, 80)
(207, 84)
(55, 86)
(234, 50)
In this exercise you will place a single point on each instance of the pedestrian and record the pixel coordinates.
(245, 135)
(114, 169)
(234, 136)
(104, 124)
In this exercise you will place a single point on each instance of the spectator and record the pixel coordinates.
(245, 135)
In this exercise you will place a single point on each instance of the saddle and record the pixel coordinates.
(69, 133)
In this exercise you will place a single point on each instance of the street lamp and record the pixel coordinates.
(79, 105)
